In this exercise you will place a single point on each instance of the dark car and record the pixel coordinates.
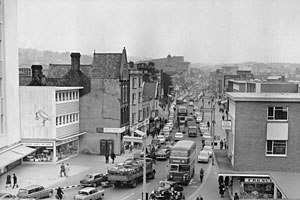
(93, 180)
(163, 153)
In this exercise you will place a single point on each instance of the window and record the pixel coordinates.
(67, 118)
(140, 115)
(277, 113)
(134, 83)
(56, 96)
(59, 95)
(276, 147)
(57, 121)
(140, 81)
(133, 117)
(133, 99)
(140, 97)
(64, 119)
(67, 96)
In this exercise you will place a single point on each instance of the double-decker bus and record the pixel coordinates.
(179, 101)
(192, 131)
(182, 113)
(182, 161)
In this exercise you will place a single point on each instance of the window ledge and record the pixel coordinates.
(275, 155)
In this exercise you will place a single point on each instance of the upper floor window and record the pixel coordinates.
(134, 83)
(276, 147)
(66, 96)
(133, 118)
(277, 113)
(140, 97)
(133, 99)
(140, 81)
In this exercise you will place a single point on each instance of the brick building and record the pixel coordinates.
(104, 101)
(263, 144)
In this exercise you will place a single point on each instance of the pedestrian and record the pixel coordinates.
(221, 144)
(225, 144)
(236, 196)
(199, 197)
(8, 180)
(106, 158)
(67, 170)
(226, 181)
(130, 148)
(59, 193)
(113, 156)
(222, 190)
(201, 175)
(208, 124)
(223, 117)
(15, 181)
(62, 170)
(220, 180)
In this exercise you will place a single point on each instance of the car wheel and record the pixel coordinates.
(94, 184)
(50, 194)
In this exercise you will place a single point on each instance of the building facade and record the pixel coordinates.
(50, 122)
(262, 144)
(11, 149)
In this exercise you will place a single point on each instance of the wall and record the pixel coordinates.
(10, 75)
(279, 87)
(250, 136)
(33, 99)
(99, 108)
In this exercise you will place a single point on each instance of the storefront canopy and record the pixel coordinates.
(288, 183)
(14, 154)
(140, 133)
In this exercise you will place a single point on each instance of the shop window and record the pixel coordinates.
(277, 113)
(276, 147)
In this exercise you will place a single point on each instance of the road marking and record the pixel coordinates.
(128, 196)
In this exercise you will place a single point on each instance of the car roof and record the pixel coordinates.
(192, 126)
(31, 187)
(87, 189)
(94, 174)
(178, 133)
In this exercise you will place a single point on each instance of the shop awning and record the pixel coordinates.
(140, 133)
(288, 183)
(14, 154)
(72, 136)
(242, 174)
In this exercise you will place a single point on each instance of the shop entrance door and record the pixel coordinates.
(103, 147)
(106, 146)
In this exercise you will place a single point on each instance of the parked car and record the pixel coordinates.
(35, 191)
(163, 153)
(178, 136)
(93, 180)
(203, 157)
(89, 193)
(162, 139)
(208, 149)
(7, 196)
(198, 119)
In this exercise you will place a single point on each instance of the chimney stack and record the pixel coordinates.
(75, 61)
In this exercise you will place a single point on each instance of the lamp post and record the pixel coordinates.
(144, 172)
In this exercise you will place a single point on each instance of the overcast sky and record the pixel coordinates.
(206, 31)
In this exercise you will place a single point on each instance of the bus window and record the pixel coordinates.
(174, 168)
(184, 168)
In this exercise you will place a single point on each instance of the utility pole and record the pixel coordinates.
(144, 172)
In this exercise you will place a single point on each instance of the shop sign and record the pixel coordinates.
(66, 141)
(179, 161)
(114, 130)
(99, 129)
(132, 139)
(47, 144)
(226, 124)
(258, 180)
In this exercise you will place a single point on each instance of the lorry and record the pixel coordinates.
(130, 172)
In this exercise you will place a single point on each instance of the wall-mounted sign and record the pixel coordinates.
(132, 139)
(114, 130)
(258, 180)
(44, 144)
(99, 129)
(226, 125)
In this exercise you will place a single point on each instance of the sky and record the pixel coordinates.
(203, 31)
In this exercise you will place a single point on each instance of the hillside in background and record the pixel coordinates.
(28, 57)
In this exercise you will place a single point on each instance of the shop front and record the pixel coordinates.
(252, 186)
(53, 151)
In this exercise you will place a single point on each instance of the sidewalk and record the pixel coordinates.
(47, 175)
(209, 189)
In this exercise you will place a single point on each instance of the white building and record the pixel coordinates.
(50, 122)
(11, 149)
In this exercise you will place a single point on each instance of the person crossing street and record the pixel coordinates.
(201, 175)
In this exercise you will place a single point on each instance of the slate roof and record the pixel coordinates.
(149, 90)
(60, 70)
(106, 65)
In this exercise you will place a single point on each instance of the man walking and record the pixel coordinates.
(15, 181)
(201, 175)
(67, 170)
(62, 170)
(113, 156)
(106, 158)
(8, 180)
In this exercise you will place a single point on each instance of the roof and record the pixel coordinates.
(87, 189)
(31, 187)
(184, 143)
(60, 70)
(67, 88)
(107, 65)
(271, 97)
(149, 90)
